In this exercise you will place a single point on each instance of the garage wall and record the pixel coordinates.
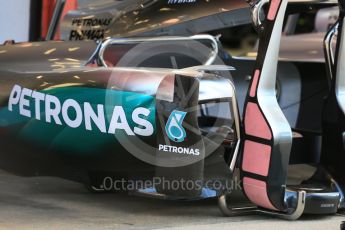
(14, 20)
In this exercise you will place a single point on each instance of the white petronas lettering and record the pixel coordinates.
(75, 115)
(179, 150)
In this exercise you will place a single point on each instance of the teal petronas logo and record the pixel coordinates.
(174, 128)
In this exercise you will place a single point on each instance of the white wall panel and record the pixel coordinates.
(14, 20)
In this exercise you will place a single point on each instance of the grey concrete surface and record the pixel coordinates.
(52, 203)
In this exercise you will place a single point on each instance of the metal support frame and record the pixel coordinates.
(290, 213)
(329, 54)
(59, 6)
(122, 41)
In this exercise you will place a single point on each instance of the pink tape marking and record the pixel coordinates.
(256, 158)
(256, 191)
(273, 9)
(255, 123)
(255, 83)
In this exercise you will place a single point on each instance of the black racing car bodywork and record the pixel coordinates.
(168, 109)
(94, 109)
(152, 17)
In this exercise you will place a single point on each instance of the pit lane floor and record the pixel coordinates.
(52, 203)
